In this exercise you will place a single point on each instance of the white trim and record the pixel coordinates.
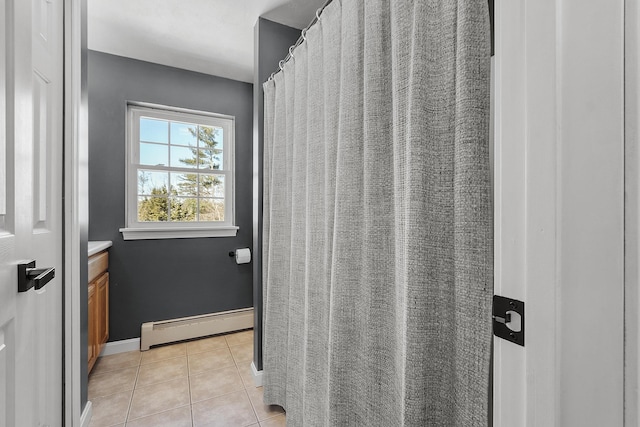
(177, 233)
(632, 213)
(122, 346)
(87, 414)
(75, 135)
(257, 375)
(171, 109)
(558, 211)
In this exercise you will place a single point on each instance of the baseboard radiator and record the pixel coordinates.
(185, 328)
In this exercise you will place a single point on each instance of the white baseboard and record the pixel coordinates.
(122, 346)
(257, 375)
(85, 418)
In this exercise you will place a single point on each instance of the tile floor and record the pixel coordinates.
(206, 382)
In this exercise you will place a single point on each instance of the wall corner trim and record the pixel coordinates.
(257, 375)
(87, 413)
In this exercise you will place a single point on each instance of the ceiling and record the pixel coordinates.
(209, 36)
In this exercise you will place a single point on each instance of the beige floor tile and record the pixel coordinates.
(239, 337)
(159, 397)
(244, 368)
(242, 352)
(206, 344)
(179, 417)
(164, 352)
(233, 409)
(262, 411)
(105, 423)
(111, 409)
(112, 382)
(214, 383)
(277, 421)
(214, 359)
(164, 370)
(114, 362)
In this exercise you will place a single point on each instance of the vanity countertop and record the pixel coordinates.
(98, 246)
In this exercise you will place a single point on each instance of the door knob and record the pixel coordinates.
(29, 276)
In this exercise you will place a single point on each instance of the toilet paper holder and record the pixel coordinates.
(243, 258)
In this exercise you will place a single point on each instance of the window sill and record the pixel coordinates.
(177, 233)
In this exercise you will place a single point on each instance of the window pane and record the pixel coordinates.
(184, 157)
(152, 130)
(152, 183)
(184, 209)
(211, 210)
(211, 159)
(211, 185)
(184, 184)
(152, 209)
(154, 154)
(210, 137)
(181, 162)
(184, 134)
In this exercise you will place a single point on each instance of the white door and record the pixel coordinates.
(31, 108)
(559, 210)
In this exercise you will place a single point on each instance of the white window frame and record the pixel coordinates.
(136, 230)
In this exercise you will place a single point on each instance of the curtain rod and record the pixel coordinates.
(301, 39)
(316, 18)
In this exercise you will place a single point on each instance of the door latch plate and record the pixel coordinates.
(505, 311)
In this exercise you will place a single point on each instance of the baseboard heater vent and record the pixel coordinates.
(185, 328)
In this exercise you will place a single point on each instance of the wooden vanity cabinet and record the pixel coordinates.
(98, 305)
(91, 353)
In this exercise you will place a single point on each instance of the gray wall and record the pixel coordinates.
(272, 42)
(163, 279)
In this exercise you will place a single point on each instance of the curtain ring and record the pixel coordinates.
(281, 64)
(318, 13)
(271, 76)
(291, 52)
(304, 35)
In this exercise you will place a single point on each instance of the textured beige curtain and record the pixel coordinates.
(377, 218)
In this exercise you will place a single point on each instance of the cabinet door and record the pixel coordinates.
(91, 311)
(102, 311)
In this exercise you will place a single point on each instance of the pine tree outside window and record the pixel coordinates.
(180, 173)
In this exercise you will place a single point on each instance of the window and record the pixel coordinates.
(180, 172)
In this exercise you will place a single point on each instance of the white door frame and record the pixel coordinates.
(76, 192)
(559, 165)
(632, 212)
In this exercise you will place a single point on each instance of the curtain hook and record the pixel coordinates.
(304, 35)
(318, 13)
(281, 64)
(291, 52)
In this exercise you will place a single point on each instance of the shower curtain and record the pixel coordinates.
(377, 218)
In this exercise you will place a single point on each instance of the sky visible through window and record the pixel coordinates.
(155, 132)
(180, 195)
